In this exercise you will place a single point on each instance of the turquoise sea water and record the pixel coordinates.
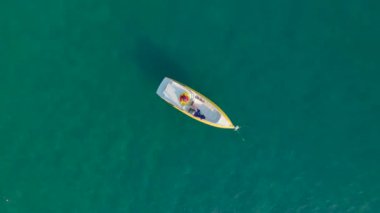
(82, 130)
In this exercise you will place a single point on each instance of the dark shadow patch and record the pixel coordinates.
(156, 63)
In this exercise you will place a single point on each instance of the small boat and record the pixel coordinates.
(193, 104)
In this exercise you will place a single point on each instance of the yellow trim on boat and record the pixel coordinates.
(202, 120)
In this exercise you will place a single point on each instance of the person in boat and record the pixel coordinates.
(195, 111)
(184, 98)
(199, 114)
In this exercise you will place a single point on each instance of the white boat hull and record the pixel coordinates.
(170, 90)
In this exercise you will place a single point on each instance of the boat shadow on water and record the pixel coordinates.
(156, 63)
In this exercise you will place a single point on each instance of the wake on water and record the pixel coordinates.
(236, 129)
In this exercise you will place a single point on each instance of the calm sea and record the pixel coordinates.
(82, 130)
